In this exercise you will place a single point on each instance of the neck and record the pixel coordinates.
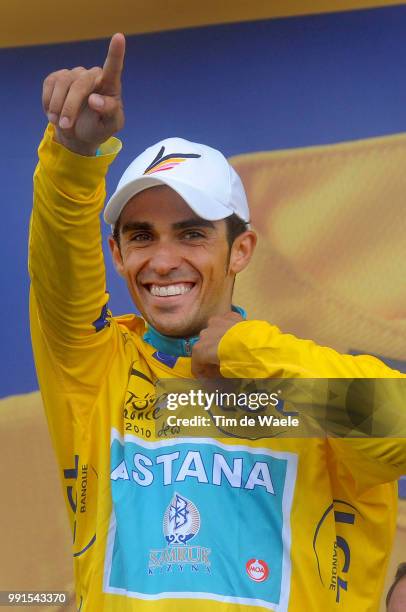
(177, 347)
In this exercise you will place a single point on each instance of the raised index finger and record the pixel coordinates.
(113, 66)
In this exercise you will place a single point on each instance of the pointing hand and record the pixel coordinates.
(85, 105)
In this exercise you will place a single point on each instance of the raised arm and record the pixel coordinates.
(68, 296)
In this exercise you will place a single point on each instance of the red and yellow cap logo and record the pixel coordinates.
(167, 162)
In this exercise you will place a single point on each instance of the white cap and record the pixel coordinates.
(199, 174)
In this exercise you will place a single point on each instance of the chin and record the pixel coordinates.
(176, 329)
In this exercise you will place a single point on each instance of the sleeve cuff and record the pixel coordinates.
(73, 173)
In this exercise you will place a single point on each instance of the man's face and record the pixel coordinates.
(397, 602)
(176, 264)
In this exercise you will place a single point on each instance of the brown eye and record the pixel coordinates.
(140, 237)
(193, 235)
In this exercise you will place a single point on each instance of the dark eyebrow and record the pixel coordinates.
(194, 222)
(131, 226)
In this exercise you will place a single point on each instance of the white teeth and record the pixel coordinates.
(169, 290)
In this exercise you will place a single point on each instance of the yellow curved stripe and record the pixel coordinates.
(30, 23)
(171, 160)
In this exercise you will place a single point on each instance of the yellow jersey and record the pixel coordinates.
(163, 524)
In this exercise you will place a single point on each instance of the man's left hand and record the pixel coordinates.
(205, 361)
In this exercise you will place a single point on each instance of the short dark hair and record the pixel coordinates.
(116, 231)
(400, 573)
(234, 227)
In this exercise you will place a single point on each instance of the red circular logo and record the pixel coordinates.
(257, 570)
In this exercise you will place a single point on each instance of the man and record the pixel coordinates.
(396, 597)
(160, 522)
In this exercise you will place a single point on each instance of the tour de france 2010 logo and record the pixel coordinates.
(181, 523)
(257, 570)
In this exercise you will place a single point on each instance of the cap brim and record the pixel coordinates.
(199, 202)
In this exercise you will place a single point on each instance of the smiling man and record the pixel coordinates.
(160, 522)
(180, 260)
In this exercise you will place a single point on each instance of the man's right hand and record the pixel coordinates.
(85, 105)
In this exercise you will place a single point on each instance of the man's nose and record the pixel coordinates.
(166, 257)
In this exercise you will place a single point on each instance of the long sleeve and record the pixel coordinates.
(257, 349)
(68, 299)
(72, 336)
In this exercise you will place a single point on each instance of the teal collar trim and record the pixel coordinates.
(178, 347)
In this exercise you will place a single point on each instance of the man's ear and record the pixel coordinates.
(242, 250)
(116, 256)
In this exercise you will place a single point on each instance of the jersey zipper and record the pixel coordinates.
(188, 348)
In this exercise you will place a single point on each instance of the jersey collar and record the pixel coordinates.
(178, 347)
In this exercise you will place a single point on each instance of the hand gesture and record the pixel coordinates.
(85, 105)
(205, 361)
